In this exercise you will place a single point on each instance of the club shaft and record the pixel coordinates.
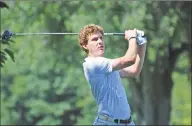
(22, 34)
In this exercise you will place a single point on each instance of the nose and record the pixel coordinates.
(99, 40)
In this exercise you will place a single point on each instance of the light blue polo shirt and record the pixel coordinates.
(106, 87)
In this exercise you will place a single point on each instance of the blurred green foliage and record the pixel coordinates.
(46, 85)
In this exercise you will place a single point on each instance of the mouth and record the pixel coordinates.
(101, 47)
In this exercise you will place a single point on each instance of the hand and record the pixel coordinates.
(141, 38)
(130, 33)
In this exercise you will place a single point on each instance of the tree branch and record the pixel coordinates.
(174, 53)
(3, 5)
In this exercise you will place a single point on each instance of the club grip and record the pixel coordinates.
(119, 34)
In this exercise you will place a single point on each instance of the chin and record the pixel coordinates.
(101, 54)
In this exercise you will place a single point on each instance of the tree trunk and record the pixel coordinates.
(152, 97)
(152, 93)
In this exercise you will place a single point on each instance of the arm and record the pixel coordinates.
(135, 69)
(130, 57)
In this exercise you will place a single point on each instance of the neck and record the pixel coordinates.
(90, 55)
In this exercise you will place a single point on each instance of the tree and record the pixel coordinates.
(154, 87)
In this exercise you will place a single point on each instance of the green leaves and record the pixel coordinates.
(48, 78)
(10, 53)
(3, 55)
(3, 58)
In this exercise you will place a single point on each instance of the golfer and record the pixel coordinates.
(104, 74)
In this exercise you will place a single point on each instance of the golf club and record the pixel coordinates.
(7, 34)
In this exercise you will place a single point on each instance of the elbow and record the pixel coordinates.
(128, 60)
(136, 73)
(132, 60)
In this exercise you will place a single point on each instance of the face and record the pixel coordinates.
(95, 45)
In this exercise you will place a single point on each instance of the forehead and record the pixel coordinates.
(93, 35)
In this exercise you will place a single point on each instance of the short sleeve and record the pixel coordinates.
(99, 65)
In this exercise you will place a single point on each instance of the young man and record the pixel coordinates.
(104, 75)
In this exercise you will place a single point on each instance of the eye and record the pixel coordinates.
(95, 39)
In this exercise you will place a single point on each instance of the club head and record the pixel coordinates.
(6, 35)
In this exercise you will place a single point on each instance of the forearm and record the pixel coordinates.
(135, 69)
(130, 56)
(132, 50)
(140, 58)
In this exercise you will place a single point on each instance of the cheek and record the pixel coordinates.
(91, 47)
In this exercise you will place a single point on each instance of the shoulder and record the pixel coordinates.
(97, 64)
(96, 61)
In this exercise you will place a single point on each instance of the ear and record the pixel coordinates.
(85, 46)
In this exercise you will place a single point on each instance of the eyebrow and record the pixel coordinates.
(97, 37)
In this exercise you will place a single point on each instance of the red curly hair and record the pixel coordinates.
(86, 31)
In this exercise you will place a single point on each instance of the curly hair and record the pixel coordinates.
(86, 31)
